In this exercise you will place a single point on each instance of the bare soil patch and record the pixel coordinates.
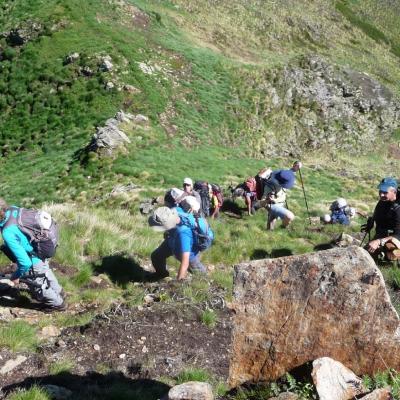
(141, 344)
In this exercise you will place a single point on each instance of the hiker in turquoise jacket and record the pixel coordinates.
(35, 272)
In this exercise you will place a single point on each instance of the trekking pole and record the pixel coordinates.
(305, 197)
(362, 241)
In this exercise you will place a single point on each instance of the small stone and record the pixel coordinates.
(145, 349)
(110, 85)
(61, 343)
(143, 338)
(96, 347)
(49, 331)
(191, 391)
(122, 356)
(148, 299)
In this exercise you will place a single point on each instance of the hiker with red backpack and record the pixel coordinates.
(216, 200)
(30, 238)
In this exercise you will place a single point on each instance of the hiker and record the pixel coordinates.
(203, 190)
(341, 213)
(188, 189)
(34, 271)
(182, 238)
(216, 200)
(386, 219)
(261, 178)
(274, 198)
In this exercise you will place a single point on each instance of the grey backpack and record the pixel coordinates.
(40, 229)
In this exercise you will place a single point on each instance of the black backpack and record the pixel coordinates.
(201, 187)
(40, 229)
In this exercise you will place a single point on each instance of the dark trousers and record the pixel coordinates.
(159, 260)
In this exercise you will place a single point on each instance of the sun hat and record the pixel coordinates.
(387, 183)
(188, 181)
(190, 203)
(285, 178)
(163, 219)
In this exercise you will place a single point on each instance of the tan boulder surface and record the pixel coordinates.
(292, 310)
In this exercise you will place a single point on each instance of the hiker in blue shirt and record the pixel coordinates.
(36, 273)
(180, 240)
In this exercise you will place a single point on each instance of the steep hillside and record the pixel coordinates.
(209, 75)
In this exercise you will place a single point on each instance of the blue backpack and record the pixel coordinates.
(202, 232)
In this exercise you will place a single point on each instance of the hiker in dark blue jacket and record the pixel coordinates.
(35, 272)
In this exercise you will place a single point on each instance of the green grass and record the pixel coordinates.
(34, 393)
(61, 366)
(208, 318)
(193, 374)
(18, 336)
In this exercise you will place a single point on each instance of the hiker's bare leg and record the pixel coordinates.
(288, 219)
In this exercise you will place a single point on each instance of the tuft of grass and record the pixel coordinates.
(193, 374)
(18, 335)
(61, 366)
(34, 393)
(209, 318)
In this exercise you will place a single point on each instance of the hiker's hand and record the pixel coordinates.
(368, 225)
(373, 245)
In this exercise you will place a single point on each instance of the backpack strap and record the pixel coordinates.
(12, 220)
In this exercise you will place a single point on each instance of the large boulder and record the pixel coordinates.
(293, 310)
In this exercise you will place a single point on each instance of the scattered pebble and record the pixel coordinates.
(122, 356)
(96, 347)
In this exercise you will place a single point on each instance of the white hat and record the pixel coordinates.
(188, 181)
(190, 203)
(164, 219)
(341, 202)
(327, 218)
(177, 194)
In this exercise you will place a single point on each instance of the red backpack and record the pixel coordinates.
(251, 184)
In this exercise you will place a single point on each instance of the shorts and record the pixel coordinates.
(278, 211)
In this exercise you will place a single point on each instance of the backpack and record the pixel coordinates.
(201, 187)
(217, 192)
(251, 184)
(40, 229)
(203, 237)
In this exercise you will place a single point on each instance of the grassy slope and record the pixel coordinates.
(207, 55)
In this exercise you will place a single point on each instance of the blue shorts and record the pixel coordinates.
(278, 211)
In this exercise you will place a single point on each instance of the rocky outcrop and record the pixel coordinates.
(334, 381)
(325, 106)
(26, 32)
(111, 136)
(293, 310)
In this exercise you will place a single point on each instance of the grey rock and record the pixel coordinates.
(12, 364)
(191, 391)
(106, 65)
(71, 58)
(29, 30)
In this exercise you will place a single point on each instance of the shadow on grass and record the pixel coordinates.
(114, 385)
(259, 254)
(12, 297)
(122, 270)
(231, 209)
(324, 246)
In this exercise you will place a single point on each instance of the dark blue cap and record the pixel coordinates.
(285, 178)
(387, 183)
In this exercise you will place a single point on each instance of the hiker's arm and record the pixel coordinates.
(373, 245)
(11, 236)
(184, 266)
